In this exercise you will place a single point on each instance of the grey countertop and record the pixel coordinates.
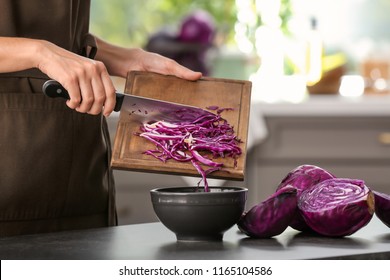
(328, 106)
(153, 241)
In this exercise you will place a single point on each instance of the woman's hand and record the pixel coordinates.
(87, 81)
(119, 61)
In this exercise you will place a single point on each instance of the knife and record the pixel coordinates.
(145, 109)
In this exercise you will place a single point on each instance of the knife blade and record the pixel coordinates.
(145, 109)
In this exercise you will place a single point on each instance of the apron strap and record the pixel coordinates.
(112, 213)
(89, 46)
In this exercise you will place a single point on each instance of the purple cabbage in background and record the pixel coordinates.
(197, 27)
(272, 216)
(301, 178)
(337, 207)
(382, 207)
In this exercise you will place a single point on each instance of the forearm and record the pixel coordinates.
(18, 54)
(87, 81)
(112, 57)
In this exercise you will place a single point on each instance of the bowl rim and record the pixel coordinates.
(164, 190)
(161, 196)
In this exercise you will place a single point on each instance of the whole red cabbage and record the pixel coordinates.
(198, 27)
(382, 207)
(337, 207)
(303, 177)
(270, 217)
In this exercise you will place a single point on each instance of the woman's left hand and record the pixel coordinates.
(119, 61)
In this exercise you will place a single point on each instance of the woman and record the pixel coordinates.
(54, 168)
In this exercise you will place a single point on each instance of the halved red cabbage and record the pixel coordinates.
(337, 207)
(270, 217)
(382, 207)
(303, 177)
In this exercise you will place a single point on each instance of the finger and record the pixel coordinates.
(185, 73)
(74, 94)
(87, 97)
(99, 96)
(110, 100)
(171, 67)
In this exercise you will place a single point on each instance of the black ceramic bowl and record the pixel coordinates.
(195, 215)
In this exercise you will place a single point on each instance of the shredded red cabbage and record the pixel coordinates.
(200, 142)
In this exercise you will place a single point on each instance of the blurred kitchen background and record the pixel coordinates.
(320, 71)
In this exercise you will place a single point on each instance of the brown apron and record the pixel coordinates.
(54, 161)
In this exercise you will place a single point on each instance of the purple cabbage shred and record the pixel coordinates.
(200, 142)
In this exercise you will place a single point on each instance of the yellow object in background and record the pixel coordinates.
(332, 61)
(333, 68)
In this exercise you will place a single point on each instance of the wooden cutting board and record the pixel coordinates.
(128, 148)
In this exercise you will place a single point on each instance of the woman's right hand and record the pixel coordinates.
(87, 81)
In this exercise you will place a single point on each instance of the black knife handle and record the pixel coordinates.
(119, 100)
(54, 89)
